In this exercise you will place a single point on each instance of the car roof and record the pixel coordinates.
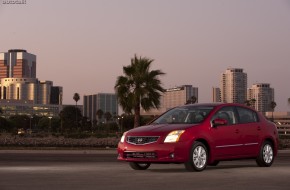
(215, 104)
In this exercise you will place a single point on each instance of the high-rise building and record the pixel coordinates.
(17, 63)
(263, 95)
(234, 86)
(107, 102)
(173, 97)
(178, 96)
(216, 94)
(56, 95)
(18, 83)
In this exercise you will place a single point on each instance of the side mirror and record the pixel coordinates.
(218, 122)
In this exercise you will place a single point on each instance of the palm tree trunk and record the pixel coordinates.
(137, 116)
(76, 115)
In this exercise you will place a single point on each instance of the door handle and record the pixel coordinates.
(237, 131)
(259, 128)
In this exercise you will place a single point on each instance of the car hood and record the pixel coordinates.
(159, 129)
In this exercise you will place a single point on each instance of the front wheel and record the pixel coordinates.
(197, 157)
(266, 155)
(139, 166)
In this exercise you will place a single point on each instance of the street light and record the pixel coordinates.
(31, 117)
(49, 123)
(122, 123)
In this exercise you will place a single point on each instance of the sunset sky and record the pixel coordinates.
(83, 45)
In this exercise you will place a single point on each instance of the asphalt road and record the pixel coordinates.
(98, 169)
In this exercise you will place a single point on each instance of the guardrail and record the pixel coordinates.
(283, 130)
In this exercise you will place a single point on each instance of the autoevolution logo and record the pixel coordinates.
(12, 2)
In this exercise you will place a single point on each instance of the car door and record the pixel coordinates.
(250, 129)
(227, 138)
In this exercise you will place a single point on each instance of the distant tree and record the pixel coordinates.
(76, 98)
(4, 125)
(253, 102)
(43, 124)
(289, 101)
(20, 121)
(250, 102)
(191, 100)
(247, 103)
(61, 120)
(273, 105)
(139, 87)
(68, 117)
(100, 114)
(108, 116)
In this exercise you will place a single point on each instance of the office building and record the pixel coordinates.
(56, 95)
(216, 94)
(107, 102)
(18, 83)
(17, 63)
(234, 86)
(263, 95)
(173, 97)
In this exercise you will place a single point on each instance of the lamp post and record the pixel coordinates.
(122, 123)
(49, 123)
(31, 117)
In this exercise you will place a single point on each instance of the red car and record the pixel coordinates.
(199, 135)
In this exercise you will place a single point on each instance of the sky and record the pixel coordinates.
(83, 45)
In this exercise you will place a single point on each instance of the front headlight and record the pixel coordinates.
(123, 137)
(173, 136)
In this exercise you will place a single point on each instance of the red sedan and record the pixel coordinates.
(199, 135)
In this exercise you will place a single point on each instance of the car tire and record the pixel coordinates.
(139, 166)
(197, 158)
(215, 163)
(266, 155)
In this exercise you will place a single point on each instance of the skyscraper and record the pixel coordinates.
(234, 86)
(17, 63)
(18, 84)
(263, 95)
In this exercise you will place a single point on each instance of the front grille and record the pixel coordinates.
(141, 140)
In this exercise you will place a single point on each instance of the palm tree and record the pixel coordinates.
(273, 105)
(139, 87)
(248, 103)
(252, 102)
(76, 98)
(192, 100)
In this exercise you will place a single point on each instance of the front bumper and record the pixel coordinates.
(155, 152)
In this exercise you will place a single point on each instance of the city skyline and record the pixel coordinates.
(83, 46)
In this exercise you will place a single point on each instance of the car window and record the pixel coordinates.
(183, 115)
(247, 115)
(226, 113)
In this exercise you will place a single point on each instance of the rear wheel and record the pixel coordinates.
(139, 166)
(266, 155)
(197, 157)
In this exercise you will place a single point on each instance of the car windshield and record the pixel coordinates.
(183, 115)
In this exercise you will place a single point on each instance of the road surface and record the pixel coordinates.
(99, 169)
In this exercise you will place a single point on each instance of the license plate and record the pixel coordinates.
(141, 155)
